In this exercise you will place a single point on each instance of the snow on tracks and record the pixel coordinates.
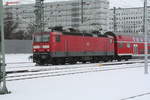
(49, 71)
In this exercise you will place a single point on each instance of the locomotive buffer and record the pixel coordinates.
(3, 89)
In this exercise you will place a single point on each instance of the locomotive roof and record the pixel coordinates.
(83, 34)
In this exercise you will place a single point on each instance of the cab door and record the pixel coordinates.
(66, 48)
(135, 49)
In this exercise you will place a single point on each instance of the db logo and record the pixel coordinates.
(87, 44)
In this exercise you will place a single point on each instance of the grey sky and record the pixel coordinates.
(116, 3)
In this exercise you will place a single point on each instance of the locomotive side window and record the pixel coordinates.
(128, 45)
(45, 38)
(42, 38)
(121, 45)
(57, 38)
(111, 41)
(37, 38)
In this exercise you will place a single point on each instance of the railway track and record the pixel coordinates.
(61, 70)
(21, 63)
(33, 68)
(136, 96)
(32, 65)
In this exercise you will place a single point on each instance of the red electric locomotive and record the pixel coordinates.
(70, 47)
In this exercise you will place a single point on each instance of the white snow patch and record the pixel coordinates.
(108, 85)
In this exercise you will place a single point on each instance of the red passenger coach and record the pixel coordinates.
(72, 47)
(124, 47)
(130, 46)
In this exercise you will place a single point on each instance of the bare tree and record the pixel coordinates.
(30, 30)
(10, 27)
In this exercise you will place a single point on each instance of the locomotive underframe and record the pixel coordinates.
(72, 58)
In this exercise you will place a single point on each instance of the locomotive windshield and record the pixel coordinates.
(42, 38)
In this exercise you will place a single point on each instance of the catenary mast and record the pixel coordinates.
(39, 16)
(3, 88)
(146, 39)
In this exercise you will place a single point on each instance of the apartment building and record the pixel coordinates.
(128, 20)
(65, 13)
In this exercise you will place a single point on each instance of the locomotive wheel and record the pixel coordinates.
(92, 61)
(62, 61)
(126, 59)
(83, 62)
(105, 59)
(72, 61)
(39, 63)
(96, 61)
(119, 59)
(58, 61)
(54, 62)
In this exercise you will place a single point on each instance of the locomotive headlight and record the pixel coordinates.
(46, 46)
(34, 50)
(36, 47)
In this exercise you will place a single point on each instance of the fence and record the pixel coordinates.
(18, 46)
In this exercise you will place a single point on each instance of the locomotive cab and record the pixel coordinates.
(41, 43)
(41, 47)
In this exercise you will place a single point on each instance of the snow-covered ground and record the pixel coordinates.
(108, 85)
(14, 58)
